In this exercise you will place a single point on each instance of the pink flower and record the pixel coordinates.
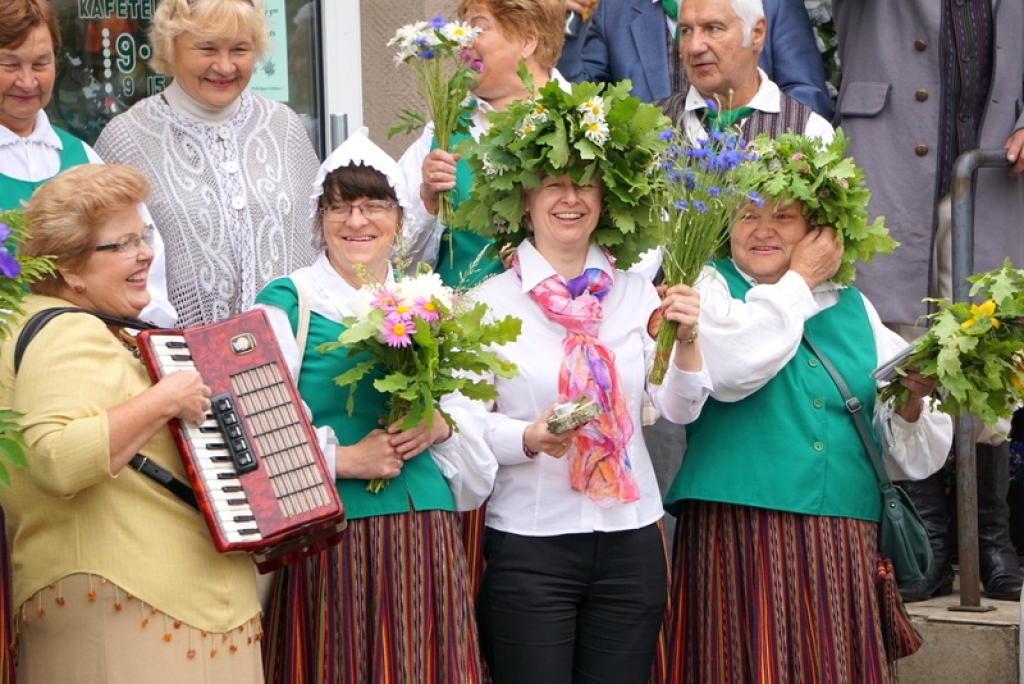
(475, 64)
(426, 309)
(385, 300)
(798, 156)
(398, 330)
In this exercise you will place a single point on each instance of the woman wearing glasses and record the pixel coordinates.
(115, 579)
(390, 603)
(230, 170)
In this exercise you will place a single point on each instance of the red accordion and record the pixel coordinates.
(255, 465)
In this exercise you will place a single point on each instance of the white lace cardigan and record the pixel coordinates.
(230, 199)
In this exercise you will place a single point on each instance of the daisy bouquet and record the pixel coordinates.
(429, 341)
(975, 351)
(704, 185)
(437, 51)
(15, 274)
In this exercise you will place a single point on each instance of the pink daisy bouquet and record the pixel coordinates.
(428, 341)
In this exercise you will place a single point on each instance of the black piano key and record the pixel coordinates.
(231, 489)
(244, 518)
(249, 531)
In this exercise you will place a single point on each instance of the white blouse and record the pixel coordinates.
(533, 496)
(746, 343)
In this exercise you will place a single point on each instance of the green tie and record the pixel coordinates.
(719, 120)
(671, 8)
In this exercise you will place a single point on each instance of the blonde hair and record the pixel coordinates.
(544, 19)
(65, 213)
(207, 18)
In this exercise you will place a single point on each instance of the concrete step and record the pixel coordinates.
(964, 647)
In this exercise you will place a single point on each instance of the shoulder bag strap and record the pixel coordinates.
(855, 408)
(142, 464)
(302, 332)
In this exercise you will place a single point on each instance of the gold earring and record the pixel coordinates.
(79, 289)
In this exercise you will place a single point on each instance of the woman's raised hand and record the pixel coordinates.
(681, 304)
(817, 256)
(438, 176)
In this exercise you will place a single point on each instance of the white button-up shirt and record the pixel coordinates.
(533, 496)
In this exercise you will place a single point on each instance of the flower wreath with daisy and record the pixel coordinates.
(832, 189)
(594, 130)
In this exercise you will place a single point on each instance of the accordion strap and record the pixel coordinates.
(166, 478)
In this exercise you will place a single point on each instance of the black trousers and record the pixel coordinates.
(572, 609)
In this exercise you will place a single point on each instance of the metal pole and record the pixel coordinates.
(966, 480)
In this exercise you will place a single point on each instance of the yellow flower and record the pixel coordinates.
(985, 310)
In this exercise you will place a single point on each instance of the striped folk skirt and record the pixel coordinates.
(389, 605)
(767, 596)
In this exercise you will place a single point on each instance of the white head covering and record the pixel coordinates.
(359, 149)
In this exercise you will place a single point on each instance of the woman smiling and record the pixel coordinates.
(117, 579)
(230, 169)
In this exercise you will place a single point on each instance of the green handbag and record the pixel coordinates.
(902, 536)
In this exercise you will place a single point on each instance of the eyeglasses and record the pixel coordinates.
(371, 209)
(128, 246)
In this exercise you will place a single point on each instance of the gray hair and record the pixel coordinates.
(748, 12)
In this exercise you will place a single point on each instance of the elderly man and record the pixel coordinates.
(923, 82)
(636, 39)
(33, 151)
(719, 44)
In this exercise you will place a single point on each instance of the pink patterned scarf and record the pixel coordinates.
(598, 464)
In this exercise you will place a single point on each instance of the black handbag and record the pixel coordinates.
(902, 536)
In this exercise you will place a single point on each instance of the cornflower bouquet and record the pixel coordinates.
(705, 183)
(437, 51)
(427, 339)
(15, 274)
(975, 351)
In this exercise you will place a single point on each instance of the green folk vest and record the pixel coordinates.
(461, 248)
(420, 486)
(13, 191)
(790, 446)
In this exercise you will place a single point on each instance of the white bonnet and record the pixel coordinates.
(360, 149)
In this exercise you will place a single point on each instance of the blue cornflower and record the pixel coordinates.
(9, 266)
(682, 205)
(714, 192)
(427, 53)
(667, 134)
(438, 22)
(700, 206)
(756, 198)
(674, 176)
(711, 104)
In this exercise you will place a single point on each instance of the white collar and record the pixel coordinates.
(766, 99)
(42, 134)
(534, 268)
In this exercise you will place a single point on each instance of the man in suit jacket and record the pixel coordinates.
(923, 82)
(628, 39)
